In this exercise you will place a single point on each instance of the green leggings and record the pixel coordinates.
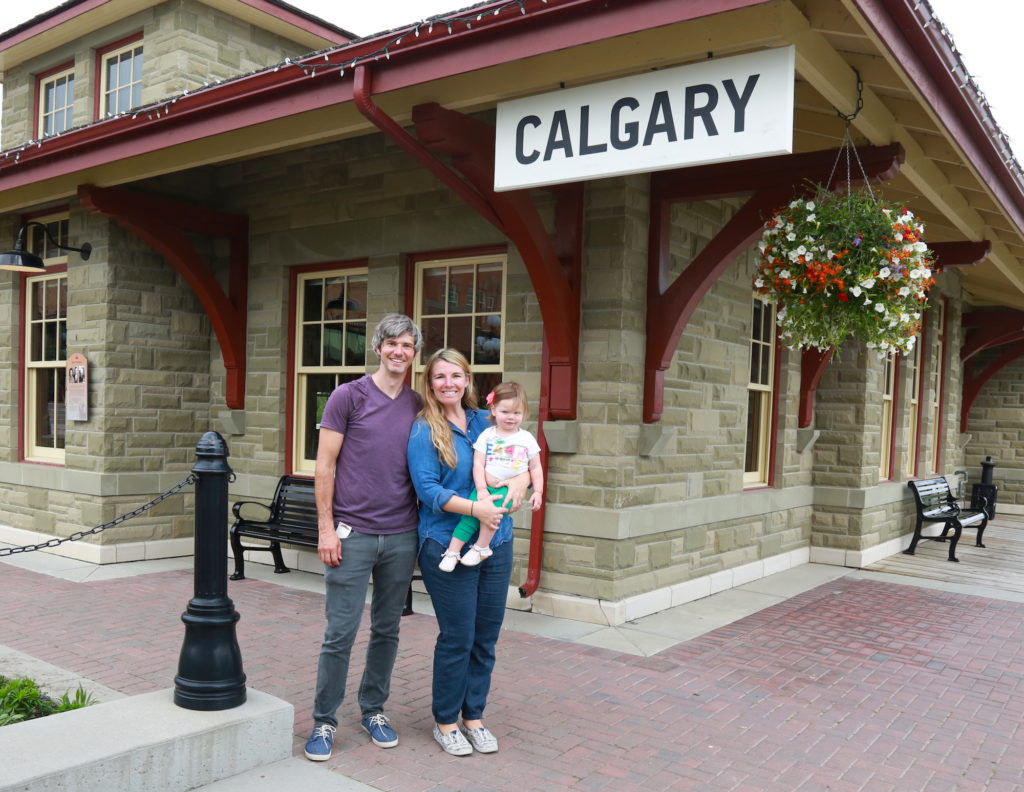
(467, 526)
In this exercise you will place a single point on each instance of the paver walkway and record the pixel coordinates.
(854, 685)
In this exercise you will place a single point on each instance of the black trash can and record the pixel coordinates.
(985, 489)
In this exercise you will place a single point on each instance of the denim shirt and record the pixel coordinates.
(436, 483)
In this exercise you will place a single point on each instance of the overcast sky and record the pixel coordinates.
(987, 33)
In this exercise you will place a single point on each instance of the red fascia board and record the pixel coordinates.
(919, 52)
(285, 91)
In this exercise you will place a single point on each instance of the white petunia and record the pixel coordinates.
(855, 291)
(810, 206)
(884, 272)
(784, 273)
(867, 283)
(880, 307)
(904, 291)
(758, 282)
(791, 236)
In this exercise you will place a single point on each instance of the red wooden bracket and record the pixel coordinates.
(960, 254)
(812, 366)
(554, 265)
(990, 329)
(161, 223)
(973, 382)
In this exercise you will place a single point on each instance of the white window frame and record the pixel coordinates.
(303, 372)
(65, 110)
(760, 392)
(35, 368)
(479, 312)
(134, 83)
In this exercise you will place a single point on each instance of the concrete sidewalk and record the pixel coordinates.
(817, 678)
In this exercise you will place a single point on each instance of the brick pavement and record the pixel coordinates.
(855, 685)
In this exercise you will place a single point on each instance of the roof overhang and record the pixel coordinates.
(72, 19)
(956, 175)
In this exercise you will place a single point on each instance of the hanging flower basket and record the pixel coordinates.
(842, 266)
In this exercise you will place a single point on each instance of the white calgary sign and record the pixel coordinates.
(716, 110)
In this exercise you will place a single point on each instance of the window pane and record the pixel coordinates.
(334, 298)
(311, 345)
(488, 287)
(752, 463)
(312, 297)
(433, 336)
(434, 292)
(318, 388)
(460, 290)
(355, 306)
(49, 408)
(332, 338)
(460, 335)
(766, 359)
(488, 340)
(355, 344)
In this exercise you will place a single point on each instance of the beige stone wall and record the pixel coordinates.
(187, 44)
(147, 342)
(996, 429)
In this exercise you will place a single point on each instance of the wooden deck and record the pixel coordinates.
(1000, 564)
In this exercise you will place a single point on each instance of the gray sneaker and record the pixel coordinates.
(481, 739)
(453, 742)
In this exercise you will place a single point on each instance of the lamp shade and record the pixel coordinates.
(19, 260)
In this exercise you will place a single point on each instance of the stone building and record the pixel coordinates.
(258, 187)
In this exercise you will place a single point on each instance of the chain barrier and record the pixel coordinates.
(6, 551)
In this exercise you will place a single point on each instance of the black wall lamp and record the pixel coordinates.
(21, 260)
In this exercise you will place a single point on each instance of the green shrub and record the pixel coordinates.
(21, 699)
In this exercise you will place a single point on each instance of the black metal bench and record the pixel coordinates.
(937, 504)
(290, 519)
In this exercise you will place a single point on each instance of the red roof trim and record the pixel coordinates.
(928, 58)
(283, 91)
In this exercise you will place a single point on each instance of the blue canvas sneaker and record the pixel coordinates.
(320, 742)
(380, 730)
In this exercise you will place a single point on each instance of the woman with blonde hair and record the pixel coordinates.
(469, 603)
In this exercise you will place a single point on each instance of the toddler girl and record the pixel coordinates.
(501, 452)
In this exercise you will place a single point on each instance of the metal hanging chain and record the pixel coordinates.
(848, 146)
(6, 551)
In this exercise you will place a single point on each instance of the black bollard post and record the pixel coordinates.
(210, 673)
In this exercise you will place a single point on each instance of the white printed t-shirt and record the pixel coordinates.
(506, 457)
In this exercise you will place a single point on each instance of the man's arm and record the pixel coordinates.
(328, 545)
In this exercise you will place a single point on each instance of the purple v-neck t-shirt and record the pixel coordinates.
(372, 489)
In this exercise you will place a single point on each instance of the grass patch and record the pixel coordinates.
(21, 700)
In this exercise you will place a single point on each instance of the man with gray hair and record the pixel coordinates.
(366, 510)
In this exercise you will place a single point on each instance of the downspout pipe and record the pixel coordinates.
(362, 96)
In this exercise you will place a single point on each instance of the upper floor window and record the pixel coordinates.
(460, 303)
(120, 84)
(56, 99)
(328, 349)
(760, 394)
(45, 303)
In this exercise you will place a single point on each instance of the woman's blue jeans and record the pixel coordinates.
(389, 559)
(469, 604)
